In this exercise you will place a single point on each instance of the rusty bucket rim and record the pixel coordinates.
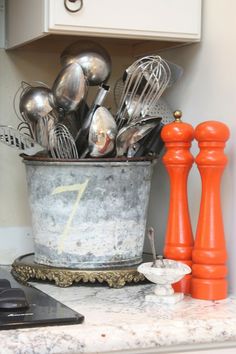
(88, 161)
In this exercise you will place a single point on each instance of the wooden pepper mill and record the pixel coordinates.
(209, 253)
(178, 161)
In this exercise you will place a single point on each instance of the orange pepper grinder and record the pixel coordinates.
(209, 253)
(178, 161)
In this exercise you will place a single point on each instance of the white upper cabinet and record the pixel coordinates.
(169, 20)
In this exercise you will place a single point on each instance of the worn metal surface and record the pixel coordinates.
(88, 214)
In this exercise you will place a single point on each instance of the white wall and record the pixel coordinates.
(15, 232)
(207, 91)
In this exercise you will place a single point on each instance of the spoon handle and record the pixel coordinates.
(82, 136)
(152, 243)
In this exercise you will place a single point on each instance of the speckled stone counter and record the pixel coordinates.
(120, 319)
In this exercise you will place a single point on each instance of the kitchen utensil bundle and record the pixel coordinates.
(60, 120)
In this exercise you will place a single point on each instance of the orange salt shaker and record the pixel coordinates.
(178, 161)
(209, 254)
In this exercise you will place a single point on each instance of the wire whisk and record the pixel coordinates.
(61, 143)
(146, 80)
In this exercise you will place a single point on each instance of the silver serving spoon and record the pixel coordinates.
(129, 135)
(82, 136)
(102, 133)
(69, 87)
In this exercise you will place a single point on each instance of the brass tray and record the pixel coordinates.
(24, 269)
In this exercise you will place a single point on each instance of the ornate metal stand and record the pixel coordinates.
(25, 269)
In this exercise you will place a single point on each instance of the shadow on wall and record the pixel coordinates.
(158, 206)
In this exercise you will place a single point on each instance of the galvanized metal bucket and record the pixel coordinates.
(88, 214)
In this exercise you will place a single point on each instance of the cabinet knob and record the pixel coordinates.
(80, 5)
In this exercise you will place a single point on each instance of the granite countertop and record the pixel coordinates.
(120, 319)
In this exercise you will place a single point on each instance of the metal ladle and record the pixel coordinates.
(36, 106)
(36, 103)
(93, 58)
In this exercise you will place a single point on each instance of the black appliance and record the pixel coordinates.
(25, 306)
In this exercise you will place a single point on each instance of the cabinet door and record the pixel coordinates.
(144, 19)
